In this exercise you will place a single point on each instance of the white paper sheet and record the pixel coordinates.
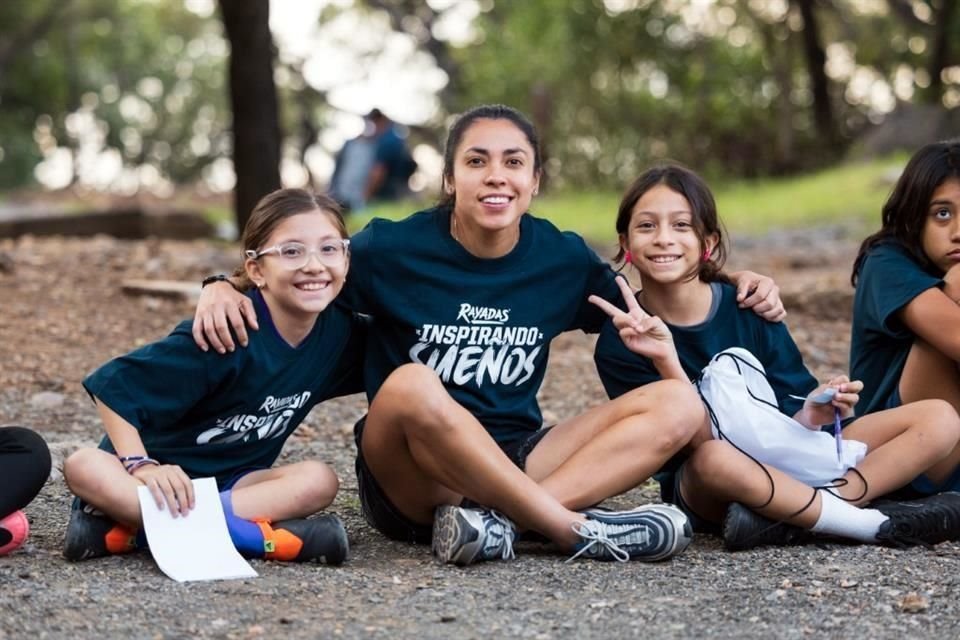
(195, 547)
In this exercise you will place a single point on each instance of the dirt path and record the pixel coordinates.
(63, 314)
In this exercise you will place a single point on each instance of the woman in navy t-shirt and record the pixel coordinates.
(465, 300)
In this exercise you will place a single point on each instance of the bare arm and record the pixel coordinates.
(220, 309)
(167, 483)
(934, 315)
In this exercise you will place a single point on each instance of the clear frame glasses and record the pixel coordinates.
(296, 255)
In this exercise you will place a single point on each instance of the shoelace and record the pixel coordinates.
(594, 533)
(505, 541)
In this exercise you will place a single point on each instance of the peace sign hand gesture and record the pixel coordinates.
(641, 333)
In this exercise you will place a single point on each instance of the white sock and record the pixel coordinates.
(841, 518)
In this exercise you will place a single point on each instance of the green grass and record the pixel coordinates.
(849, 194)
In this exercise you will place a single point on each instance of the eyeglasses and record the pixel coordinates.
(296, 255)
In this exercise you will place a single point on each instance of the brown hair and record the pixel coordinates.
(705, 220)
(276, 207)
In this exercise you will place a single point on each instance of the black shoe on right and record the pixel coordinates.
(323, 538)
(926, 521)
(743, 529)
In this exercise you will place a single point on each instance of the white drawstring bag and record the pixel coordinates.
(743, 410)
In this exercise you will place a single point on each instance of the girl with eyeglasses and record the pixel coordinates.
(172, 412)
(466, 298)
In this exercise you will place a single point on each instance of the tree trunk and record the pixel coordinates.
(780, 55)
(816, 58)
(940, 55)
(253, 99)
(541, 101)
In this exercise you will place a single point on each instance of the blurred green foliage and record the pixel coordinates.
(723, 86)
(726, 88)
(141, 79)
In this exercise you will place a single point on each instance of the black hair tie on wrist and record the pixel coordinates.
(211, 279)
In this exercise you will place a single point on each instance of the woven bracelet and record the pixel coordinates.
(133, 466)
(131, 463)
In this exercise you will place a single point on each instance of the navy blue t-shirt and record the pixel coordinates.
(484, 325)
(888, 280)
(215, 415)
(729, 326)
(390, 150)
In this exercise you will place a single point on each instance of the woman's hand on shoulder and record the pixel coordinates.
(760, 294)
(641, 333)
(220, 309)
(168, 484)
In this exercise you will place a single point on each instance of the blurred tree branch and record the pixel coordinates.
(903, 9)
(816, 59)
(940, 54)
(417, 19)
(22, 39)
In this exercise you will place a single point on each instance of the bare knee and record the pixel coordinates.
(407, 379)
(80, 469)
(414, 399)
(411, 391)
(318, 485)
(940, 422)
(675, 407)
(716, 465)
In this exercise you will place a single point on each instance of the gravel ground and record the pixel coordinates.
(64, 314)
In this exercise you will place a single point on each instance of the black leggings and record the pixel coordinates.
(24, 467)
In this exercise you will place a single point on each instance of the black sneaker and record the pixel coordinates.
(743, 529)
(324, 538)
(926, 521)
(94, 536)
(463, 536)
(649, 533)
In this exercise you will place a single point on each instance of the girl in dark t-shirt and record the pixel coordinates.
(905, 340)
(172, 412)
(684, 315)
(465, 300)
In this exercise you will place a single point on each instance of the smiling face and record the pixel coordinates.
(941, 228)
(661, 239)
(494, 175)
(298, 295)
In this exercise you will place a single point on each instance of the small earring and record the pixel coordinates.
(627, 258)
(261, 285)
(536, 191)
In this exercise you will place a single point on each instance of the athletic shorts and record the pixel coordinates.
(383, 516)
(670, 493)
